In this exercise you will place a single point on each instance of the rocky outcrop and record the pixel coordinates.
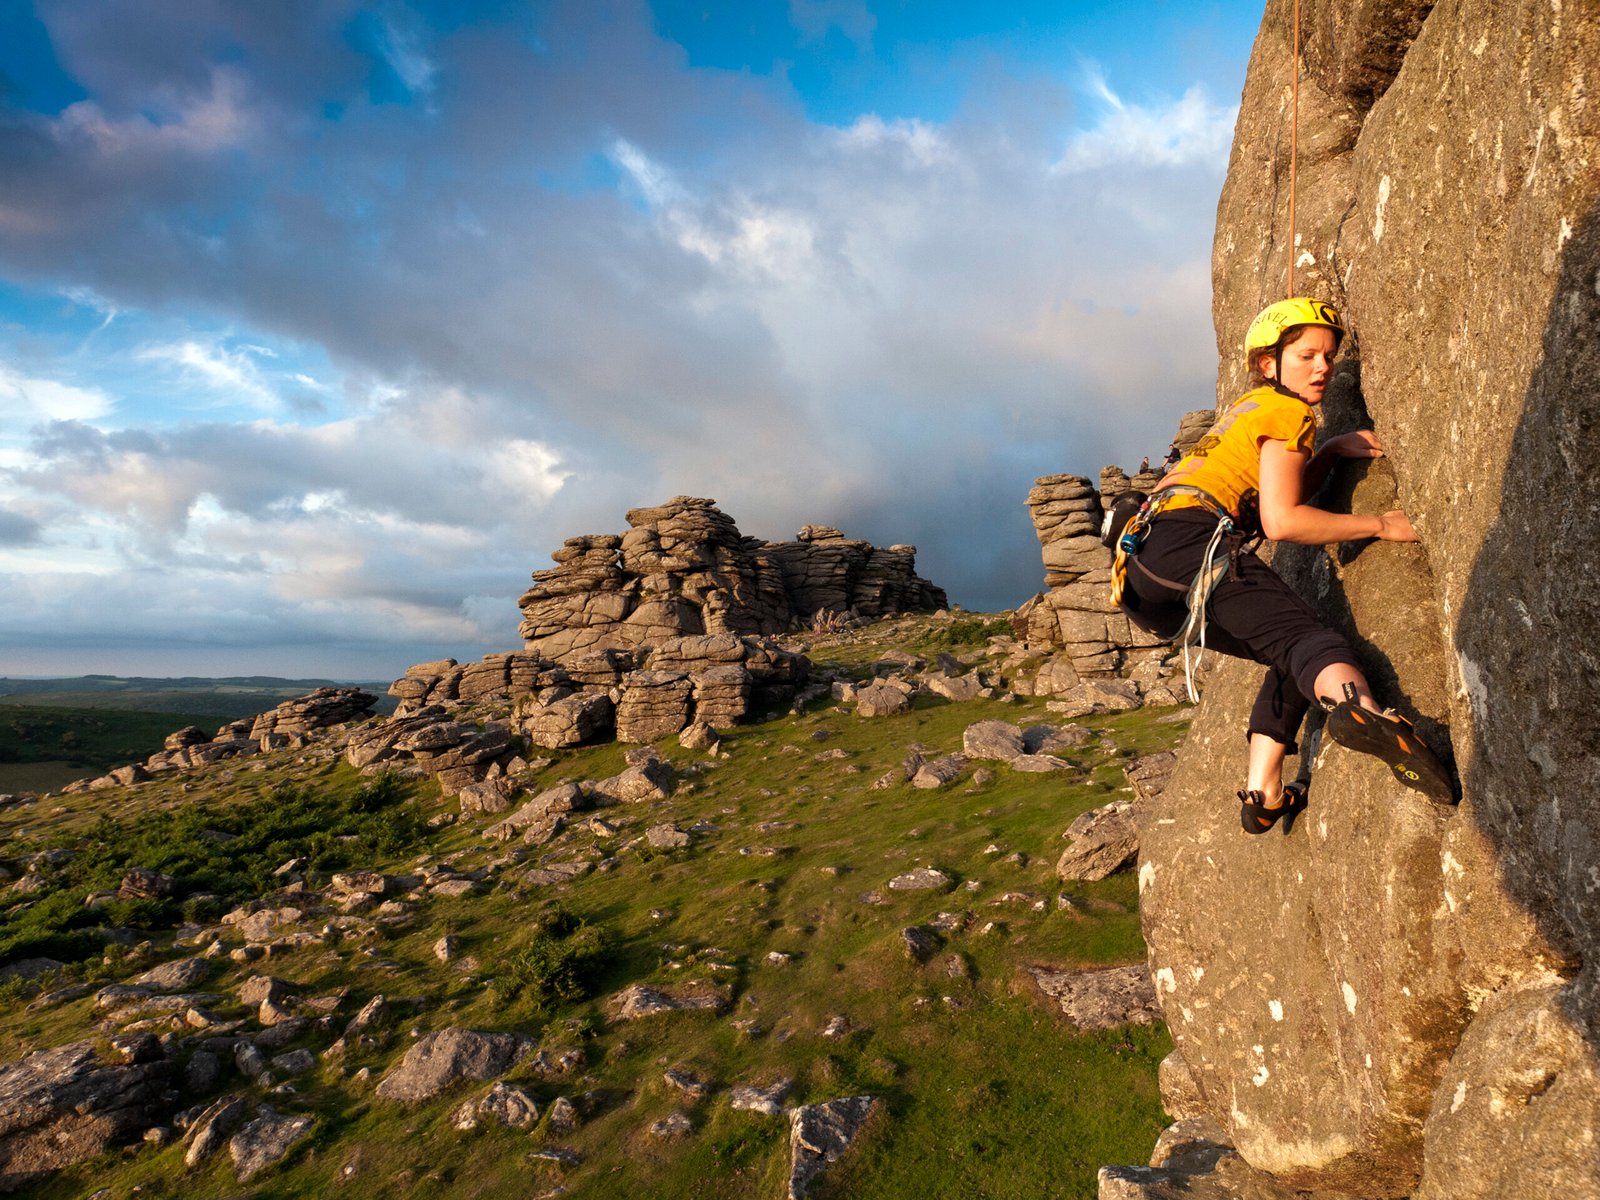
(324, 707)
(1399, 999)
(68, 1105)
(683, 568)
(1101, 998)
(644, 634)
(291, 724)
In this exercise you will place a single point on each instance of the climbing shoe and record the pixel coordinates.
(1389, 736)
(1256, 817)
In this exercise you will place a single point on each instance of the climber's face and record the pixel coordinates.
(1307, 363)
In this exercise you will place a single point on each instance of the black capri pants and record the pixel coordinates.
(1256, 616)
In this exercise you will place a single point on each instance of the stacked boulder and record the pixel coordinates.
(826, 572)
(1075, 614)
(641, 694)
(684, 569)
(303, 715)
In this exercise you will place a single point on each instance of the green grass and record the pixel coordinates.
(984, 1090)
(216, 854)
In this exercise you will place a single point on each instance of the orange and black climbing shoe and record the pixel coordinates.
(1389, 736)
(1256, 817)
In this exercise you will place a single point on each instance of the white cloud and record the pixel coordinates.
(526, 468)
(25, 401)
(1185, 132)
(91, 299)
(891, 325)
(654, 181)
(814, 18)
(922, 141)
(232, 372)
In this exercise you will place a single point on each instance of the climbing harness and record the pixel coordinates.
(1220, 558)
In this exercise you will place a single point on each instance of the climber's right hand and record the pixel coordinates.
(1395, 527)
(1363, 443)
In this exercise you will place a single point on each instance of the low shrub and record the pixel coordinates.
(557, 965)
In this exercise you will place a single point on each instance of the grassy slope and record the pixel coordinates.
(986, 1092)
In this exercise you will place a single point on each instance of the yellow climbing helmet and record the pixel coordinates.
(1271, 322)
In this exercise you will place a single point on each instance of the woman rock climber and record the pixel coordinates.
(1183, 570)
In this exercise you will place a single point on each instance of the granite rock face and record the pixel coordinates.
(1407, 1004)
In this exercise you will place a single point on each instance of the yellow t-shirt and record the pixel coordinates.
(1226, 463)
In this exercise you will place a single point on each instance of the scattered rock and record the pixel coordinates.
(652, 779)
(674, 1125)
(919, 942)
(69, 1105)
(1052, 739)
(666, 837)
(563, 1116)
(1103, 841)
(993, 739)
(1102, 998)
(265, 1142)
(767, 1100)
(923, 879)
(1036, 763)
(295, 1062)
(956, 688)
(511, 1106)
(819, 1134)
(939, 772)
(687, 1083)
(211, 1128)
(143, 884)
(175, 976)
(638, 1001)
(879, 699)
(440, 1060)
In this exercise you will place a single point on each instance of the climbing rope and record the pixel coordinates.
(1294, 138)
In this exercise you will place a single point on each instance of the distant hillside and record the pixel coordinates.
(223, 699)
(83, 739)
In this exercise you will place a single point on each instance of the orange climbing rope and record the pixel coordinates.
(1294, 138)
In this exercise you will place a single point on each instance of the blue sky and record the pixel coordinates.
(323, 323)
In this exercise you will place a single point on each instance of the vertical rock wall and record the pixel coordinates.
(1397, 999)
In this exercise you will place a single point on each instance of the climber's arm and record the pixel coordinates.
(1285, 517)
